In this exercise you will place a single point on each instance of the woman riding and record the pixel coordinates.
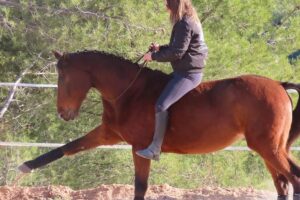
(187, 53)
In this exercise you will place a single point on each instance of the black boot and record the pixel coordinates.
(153, 150)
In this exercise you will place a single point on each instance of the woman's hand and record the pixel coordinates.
(148, 57)
(154, 47)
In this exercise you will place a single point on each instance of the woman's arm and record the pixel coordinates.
(162, 47)
(178, 46)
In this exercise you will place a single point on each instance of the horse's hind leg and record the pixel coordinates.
(280, 181)
(101, 135)
(296, 172)
(278, 159)
(142, 168)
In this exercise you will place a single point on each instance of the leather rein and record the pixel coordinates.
(141, 66)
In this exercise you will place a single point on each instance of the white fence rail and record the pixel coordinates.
(55, 145)
(32, 85)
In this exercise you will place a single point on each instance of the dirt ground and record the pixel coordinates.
(125, 192)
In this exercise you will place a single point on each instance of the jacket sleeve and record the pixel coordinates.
(178, 45)
(162, 47)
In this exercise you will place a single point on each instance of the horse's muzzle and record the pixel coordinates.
(68, 114)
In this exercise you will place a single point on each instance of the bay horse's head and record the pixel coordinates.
(74, 82)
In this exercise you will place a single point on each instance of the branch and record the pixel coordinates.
(12, 93)
(211, 11)
(296, 9)
(10, 96)
(61, 11)
(8, 3)
(5, 24)
(282, 21)
(83, 13)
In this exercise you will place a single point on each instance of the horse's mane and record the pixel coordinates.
(154, 74)
(100, 53)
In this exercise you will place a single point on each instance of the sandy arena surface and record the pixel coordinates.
(125, 192)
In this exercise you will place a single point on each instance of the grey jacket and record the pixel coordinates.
(187, 50)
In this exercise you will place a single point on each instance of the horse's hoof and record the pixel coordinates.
(24, 168)
(282, 197)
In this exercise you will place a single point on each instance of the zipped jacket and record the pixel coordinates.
(187, 50)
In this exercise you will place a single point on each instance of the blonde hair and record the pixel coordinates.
(180, 8)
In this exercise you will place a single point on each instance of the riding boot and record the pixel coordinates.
(296, 196)
(153, 150)
(282, 197)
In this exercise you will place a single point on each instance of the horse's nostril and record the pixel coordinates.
(67, 114)
(72, 114)
(59, 115)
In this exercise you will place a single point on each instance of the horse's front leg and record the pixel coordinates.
(142, 168)
(102, 135)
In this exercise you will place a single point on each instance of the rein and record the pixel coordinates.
(142, 66)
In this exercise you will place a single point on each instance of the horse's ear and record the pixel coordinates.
(65, 56)
(57, 54)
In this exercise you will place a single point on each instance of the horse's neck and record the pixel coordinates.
(113, 81)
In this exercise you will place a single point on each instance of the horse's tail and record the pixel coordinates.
(295, 128)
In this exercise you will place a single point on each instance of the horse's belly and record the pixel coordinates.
(203, 128)
(205, 142)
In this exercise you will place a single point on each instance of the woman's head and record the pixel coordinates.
(179, 8)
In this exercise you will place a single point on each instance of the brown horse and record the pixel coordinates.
(207, 119)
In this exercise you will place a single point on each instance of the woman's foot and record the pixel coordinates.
(153, 150)
(148, 154)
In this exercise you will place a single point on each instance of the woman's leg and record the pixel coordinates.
(175, 89)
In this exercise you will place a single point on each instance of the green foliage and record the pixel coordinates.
(250, 36)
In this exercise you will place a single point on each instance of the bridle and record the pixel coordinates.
(141, 67)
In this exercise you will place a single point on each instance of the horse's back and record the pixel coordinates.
(217, 113)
